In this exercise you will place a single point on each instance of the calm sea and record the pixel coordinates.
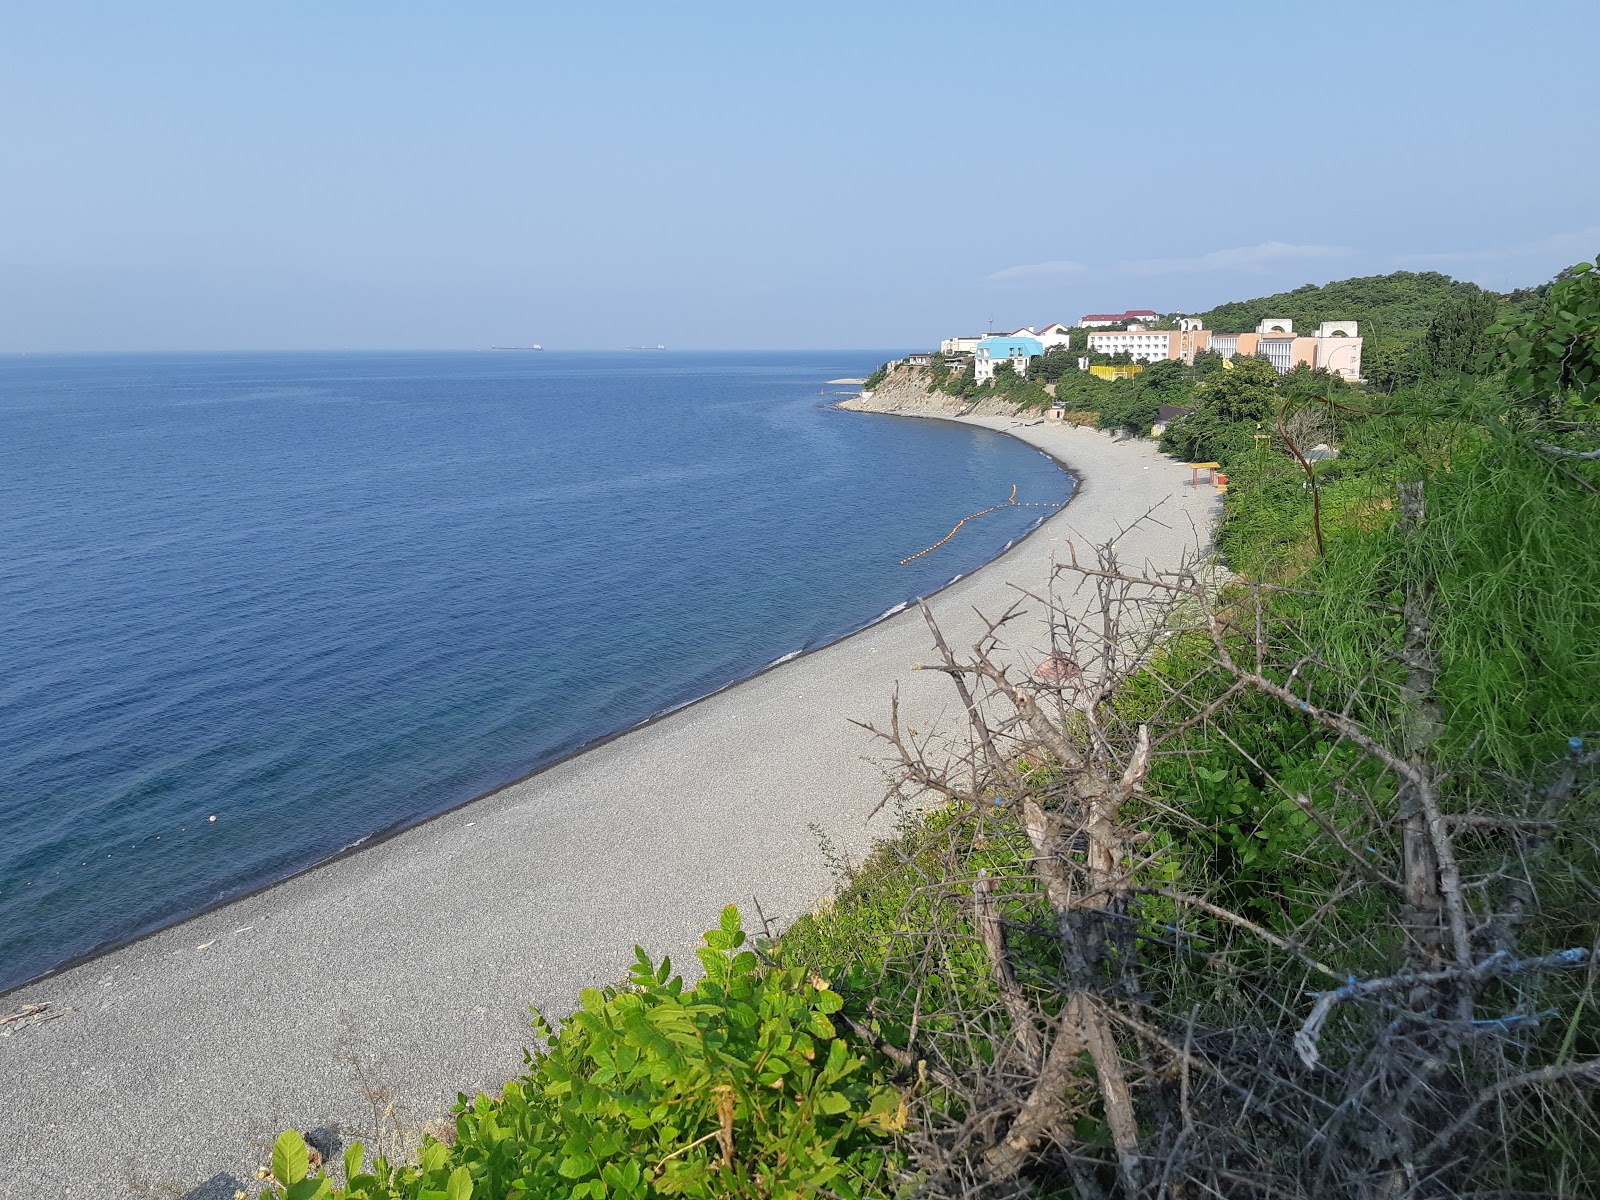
(320, 596)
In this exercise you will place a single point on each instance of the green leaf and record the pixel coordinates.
(434, 1156)
(290, 1162)
(353, 1154)
(832, 1103)
(460, 1185)
(575, 1166)
(730, 920)
(309, 1189)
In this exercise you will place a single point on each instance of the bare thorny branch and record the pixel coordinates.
(1096, 939)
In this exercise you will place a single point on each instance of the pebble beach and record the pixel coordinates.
(401, 974)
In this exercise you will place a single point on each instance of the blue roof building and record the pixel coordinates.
(995, 349)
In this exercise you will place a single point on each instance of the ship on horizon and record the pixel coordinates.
(657, 346)
(535, 346)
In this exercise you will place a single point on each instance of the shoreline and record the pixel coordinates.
(400, 829)
(414, 954)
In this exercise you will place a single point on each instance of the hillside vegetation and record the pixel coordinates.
(1404, 300)
(1286, 883)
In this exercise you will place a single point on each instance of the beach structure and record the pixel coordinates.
(1015, 348)
(1166, 415)
(1126, 371)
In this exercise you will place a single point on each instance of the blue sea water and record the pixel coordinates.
(322, 596)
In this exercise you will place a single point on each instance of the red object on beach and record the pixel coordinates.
(1056, 669)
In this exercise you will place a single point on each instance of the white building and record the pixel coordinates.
(1278, 349)
(1335, 347)
(959, 345)
(1146, 345)
(1015, 348)
(1053, 335)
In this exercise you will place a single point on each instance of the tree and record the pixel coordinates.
(1392, 363)
(1207, 363)
(1457, 334)
(1551, 356)
(1404, 300)
(1246, 393)
(1228, 406)
(1052, 364)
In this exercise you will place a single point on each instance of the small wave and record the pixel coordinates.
(793, 654)
(889, 612)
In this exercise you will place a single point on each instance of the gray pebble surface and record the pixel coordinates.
(169, 1065)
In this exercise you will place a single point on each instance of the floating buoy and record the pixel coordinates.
(1011, 502)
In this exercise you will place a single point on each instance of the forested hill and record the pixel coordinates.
(1402, 301)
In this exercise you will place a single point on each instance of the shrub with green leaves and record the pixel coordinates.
(1551, 355)
(739, 1086)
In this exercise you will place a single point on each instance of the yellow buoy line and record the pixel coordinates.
(1011, 502)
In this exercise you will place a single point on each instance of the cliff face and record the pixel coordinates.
(909, 390)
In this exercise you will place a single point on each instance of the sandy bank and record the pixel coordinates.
(176, 1059)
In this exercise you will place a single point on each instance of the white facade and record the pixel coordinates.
(1054, 335)
(1273, 325)
(959, 345)
(1279, 351)
(1015, 349)
(1145, 345)
(1340, 352)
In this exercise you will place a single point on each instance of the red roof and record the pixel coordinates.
(1122, 316)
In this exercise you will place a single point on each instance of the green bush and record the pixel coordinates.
(739, 1086)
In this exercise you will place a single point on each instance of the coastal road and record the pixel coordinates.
(400, 975)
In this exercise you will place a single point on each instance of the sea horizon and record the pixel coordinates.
(158, 791)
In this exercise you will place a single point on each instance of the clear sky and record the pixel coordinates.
(387, 174)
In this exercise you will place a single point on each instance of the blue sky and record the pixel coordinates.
(417, 175)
